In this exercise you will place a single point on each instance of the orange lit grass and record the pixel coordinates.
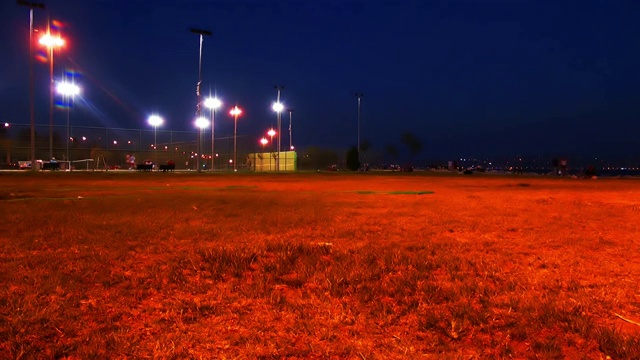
(317, 265)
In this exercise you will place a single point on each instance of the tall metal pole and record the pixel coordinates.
(235, 128)
(68, 90)
(34, 165)
(68, 132)
(32, 115)
(359, 96)
(51, 89)
(155, 145)
(290, 121)
(279, 124)
(202, 33)
(213, 152)
(235, 112)
(199, 105)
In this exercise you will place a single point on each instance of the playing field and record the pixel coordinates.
(318, 265)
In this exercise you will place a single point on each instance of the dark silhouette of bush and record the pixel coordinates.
(353, 163)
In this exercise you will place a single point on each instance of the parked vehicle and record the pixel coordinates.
(26, 165)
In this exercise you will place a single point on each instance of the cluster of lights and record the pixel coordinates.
(70, 90)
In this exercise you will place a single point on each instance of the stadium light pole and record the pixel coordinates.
(155, 121)
(68, 91)
(271, 133)
(212, 103)
(51, 42)
(5, 131)
(359, 96)
(31, 5)
(201, 34)
(290, 123)
(236, 111)
(278, 107)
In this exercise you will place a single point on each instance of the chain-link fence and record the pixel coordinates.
(100, 148)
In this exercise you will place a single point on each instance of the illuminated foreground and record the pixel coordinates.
(318, 265)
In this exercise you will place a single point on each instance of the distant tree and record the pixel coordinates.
(392, 151)
(353, 163)
(412, 142)
(365, 146)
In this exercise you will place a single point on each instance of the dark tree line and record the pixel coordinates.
(314, 158)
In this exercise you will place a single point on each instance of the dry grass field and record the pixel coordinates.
(318, 265)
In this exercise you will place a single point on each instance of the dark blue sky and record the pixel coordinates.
(469, 78)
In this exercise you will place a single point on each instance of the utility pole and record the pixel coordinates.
(359, 96)
(31, 5)
(290, 122)
(51, 42)
(202, 33)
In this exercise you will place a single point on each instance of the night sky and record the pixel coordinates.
(469, 78)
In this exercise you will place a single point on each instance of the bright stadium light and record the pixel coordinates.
(51, 41)
(277, 107)
(68, 89)
(212, 103)
(202, 123)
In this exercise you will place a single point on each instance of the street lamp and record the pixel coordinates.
(264, 142)
(271, 133)
(278, 107)
(68, 91)
(31, 5)
(201, 123)
(155, 121)
(235, 112)
(212, 103)
(51, 42)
